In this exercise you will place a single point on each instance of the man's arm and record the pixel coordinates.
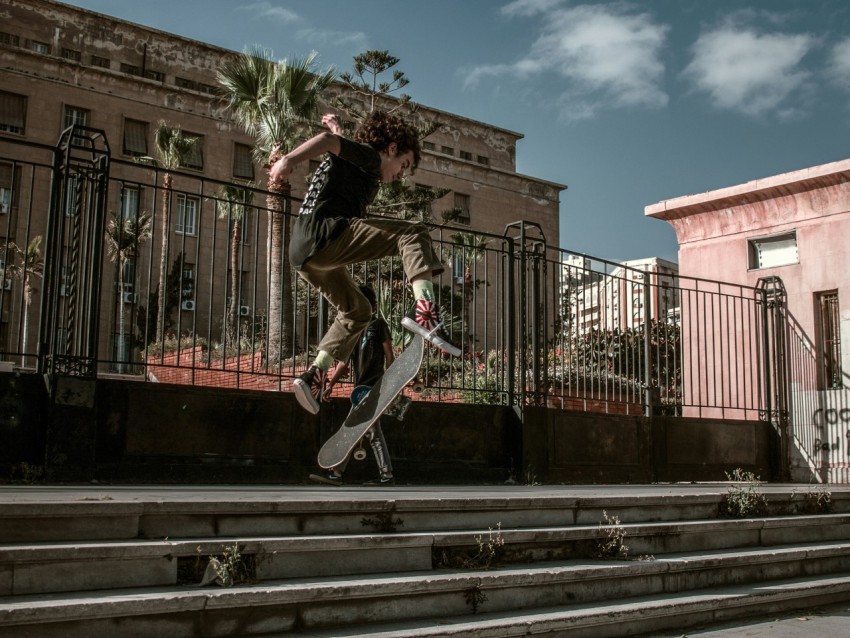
(314, 147)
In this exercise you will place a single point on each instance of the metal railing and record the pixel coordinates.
(537, 324)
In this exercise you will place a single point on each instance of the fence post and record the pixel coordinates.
(650, 390)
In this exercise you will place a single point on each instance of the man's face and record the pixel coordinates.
(395, 165)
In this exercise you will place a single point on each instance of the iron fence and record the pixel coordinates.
(197, 304)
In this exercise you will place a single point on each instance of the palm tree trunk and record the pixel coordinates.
(235, 300)
(121, 316)
(26, 321)
(163, 260)
(279, 329)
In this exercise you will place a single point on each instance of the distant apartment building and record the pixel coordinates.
(622, 298)
(61, 65)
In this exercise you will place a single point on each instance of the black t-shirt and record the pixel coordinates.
(339, 190)
(367, 360)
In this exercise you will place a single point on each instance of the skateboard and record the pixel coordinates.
(364, 414)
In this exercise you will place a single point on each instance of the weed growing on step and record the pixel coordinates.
(25, 473)
(487, 554)
(475, 597)
(612, 535)
(229, 568)
(743, 500)
(816, 499)
(383, 522)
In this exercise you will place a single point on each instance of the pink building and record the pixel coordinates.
(794, 226)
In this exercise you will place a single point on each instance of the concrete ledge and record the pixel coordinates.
(332, 601)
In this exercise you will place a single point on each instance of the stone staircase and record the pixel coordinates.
(496, 561)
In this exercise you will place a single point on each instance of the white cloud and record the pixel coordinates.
(266, 10)
(529, 7)
(605, 56)
(839, 64)
(319, 37)
(745, 71)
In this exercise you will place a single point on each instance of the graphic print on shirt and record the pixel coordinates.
(317, 183)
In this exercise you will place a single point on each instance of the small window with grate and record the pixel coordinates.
(829, 333)
(243, 165)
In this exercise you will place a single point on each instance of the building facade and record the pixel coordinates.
(61, 65)
(788, 234)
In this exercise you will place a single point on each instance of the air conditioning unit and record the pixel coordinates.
(189, 305)
(7, 283)
(244, 310)
(130, 297)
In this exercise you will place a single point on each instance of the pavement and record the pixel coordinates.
(822, 622)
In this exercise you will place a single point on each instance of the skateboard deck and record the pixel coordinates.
(370, 408)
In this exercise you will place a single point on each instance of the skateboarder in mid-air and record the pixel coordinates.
(331, 233)
(372, 354)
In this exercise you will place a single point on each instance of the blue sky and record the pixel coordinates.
(627, 103)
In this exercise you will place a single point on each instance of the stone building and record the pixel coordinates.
(61, 65)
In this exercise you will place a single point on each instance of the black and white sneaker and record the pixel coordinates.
(328, 478)
(382, 481)
(426, 319)
(309, 389)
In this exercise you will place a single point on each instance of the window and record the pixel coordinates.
(187, 282)
(74, 115)
(195, 157)
(157, 76)
(187, 215)
(462, 208)
(135, 138)
(129, 203)
(829, 330)
(776, 250)
(448, 150)
(71, 192)
(183, 83)
(243, 166)
(72, 54)
(6, 184)
(9, 38)
(130, 69)
(13, 110)
(428, 146)
(466, 155)
(40, 47)
(99, 61)
(128, 278)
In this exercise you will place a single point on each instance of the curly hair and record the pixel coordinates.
(381, 129)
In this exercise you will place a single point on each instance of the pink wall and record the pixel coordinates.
(713, 230)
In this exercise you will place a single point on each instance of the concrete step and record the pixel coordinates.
(113, 514)
(633, 617)
(555, 596)
(33, 568)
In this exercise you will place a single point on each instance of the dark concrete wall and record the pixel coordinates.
(127, 431)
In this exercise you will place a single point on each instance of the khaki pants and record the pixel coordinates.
(362, 240)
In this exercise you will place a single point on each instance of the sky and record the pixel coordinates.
(627, 103)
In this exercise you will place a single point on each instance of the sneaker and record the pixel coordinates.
(426, 319)
(328, 478)
(382, 481)
(309, 388)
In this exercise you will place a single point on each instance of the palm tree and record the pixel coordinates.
(469, 248)
(233, 204)
(26, 264)
(123, 236)
(274, 101)
(172, 150)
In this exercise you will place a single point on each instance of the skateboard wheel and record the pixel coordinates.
(418, 387)
(359, 454)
